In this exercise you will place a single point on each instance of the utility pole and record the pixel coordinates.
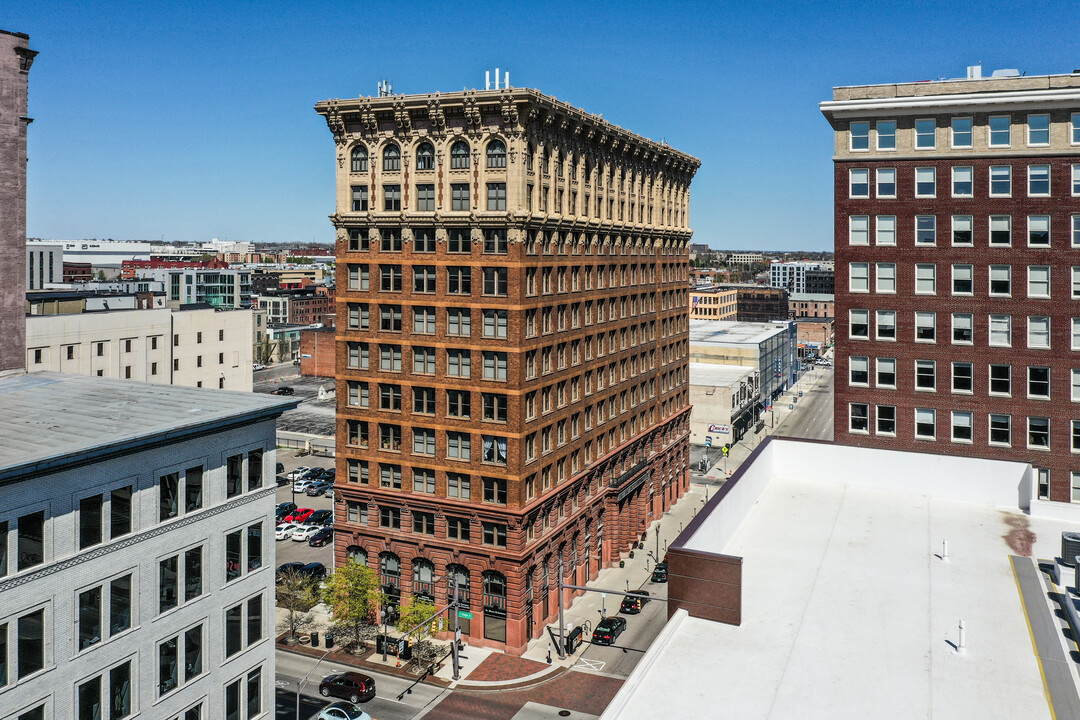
(457, 632)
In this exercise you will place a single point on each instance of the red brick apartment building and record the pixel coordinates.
(958, 269)
(511, 346)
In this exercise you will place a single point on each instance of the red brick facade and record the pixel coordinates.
(575, 404)
(318, 353)
(932, 373)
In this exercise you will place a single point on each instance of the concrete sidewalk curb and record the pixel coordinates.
(521, 683)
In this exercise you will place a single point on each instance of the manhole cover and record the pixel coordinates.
(564, 713)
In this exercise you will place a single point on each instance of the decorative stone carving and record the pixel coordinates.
(476, 235)
(441, 235)
(401, 117)
(406, 235)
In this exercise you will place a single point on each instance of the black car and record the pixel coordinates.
(283, 390)
(319, 517)
(353, 686)
(608, 629)
(325, 535)
(280, 468)
(633, 605)
(659, 573)
(284, 509)
(288, 568)
(315, 571)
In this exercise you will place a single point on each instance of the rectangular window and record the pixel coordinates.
(359, 198)
(886, 372)
(1038, 281)
(962, 181)
(495, 323)
(423, 482)
(886, 182)
(494, 365)
(925, 423)
(459, 280)
(1075, 341)
(1039, 180)
(859, 323)
(886, 230)
(1074, 129)
(925, 134)
(961, 230)
(886, 135)
(1038, 331)
(1001, 330)
(496, 196)
(494, 534)
(1000, 180)
(1001, 230)
(961, 132)
(925, 375)
(859, 230)
(458, 445)
(1000, 429)
(859, 417)
(886, 324)
(1000, 131)
(859, 274)
(392, 198)
(860, 136)
(925, 182)
(961, 427)
(1038, 130)
(925, 327)
(423, 441)
(458, 486)
(459, 363)
(90, 519)
(1001, 280)
(925, 230)
(886, 420)
(859, 183)
(495, 281)
(1039, 382)
(458, 322)
(458, 403)
(1075, 186)
(962, 279)
(89, 618)
(962, 328)
(925, 278)
(1039, 433)
(886, 277)
(459, 196)
(1075, 385)
(859, 371)
(425, 198)
(962, 377)
(1000, 379)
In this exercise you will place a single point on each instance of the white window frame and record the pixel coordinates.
(1007, 320)
(990, 132)
(919, 136)
(851, 323)
(958, 224)
(885, 278)
(1006, 170)
(1074, 386)
(1076, 282)
(859, 230)
(1035, 279)
(921, 272)
(885, 230)
(877, 421)
(1038, 144)
(961, 415)
(851, 419)
(1032, 322)
(958, 274)
(865, 172)
(879, 364)
(851, 136)
(1036, 220)
(1074, 336)
(877, 325)
(1044, 448)
(1032, 169)
(877, 130)
(1076, 180)
(1074, 476)
(921, 220)
(990, 285)
(1075, 234)
(1074, 128)
(958, 320)
(997, 219)
(932, 173)
(952, 379)
(930, 365)
(990, 430)
(970, 132)
(921, 316)
(858, 362)
(880, 178)
(932, 413)
(958, 173)
(864, 277)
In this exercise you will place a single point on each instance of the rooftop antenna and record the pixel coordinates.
(385, 88)
(505, 84)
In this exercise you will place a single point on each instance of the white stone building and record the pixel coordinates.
(200, 347)
(136, 561)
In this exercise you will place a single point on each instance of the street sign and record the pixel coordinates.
(708, 441)
(305, 355)
(464, 614)
(725, 452)
(401, 647)
(457, 635)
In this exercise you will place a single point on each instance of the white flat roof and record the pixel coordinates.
(718, 375)
(729, 332)
(846, 610)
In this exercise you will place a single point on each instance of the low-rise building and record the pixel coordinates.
(194, 347)
(760, 303)
(768, 348)
(136, 555)
(814, 335)
(317, 352)
(44, 265)
(221, 288)
(77, 272)
(301, 306)
(745, 258)
(821, 281)
(713, 303)
(813, 305)
(790, 275)
(130, 269)
(726, 401)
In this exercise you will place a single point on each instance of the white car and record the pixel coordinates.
(257, 366)
(285, 530)
(303, 533)
(295, 474)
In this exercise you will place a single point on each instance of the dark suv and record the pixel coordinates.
(283, 390)
(659, 573)
(633, 605)
(352, 686)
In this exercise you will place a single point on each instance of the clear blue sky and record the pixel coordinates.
(189, 120)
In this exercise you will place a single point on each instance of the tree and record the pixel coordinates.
(413, 615)
(265, 351)
(354, 595)
(296, 594)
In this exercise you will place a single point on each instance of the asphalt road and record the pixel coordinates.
(641, 629)
(291, 669)
(812, 418)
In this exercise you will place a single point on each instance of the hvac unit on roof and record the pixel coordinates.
(1070, 547)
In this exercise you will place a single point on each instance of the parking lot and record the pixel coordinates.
(289, 550)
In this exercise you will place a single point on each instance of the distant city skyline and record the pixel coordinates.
(186, 123)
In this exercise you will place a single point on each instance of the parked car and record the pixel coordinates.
(630, 605)
(284, 531)
(299, 515)
(302, 484)
(283, 390)
(343, 710)
(304, 533)
(320, 516)
(318, 487)
(608, 629)
(298, 472)
(315, 570)
(258, 366)
(353, 686)
(280, 468)
(286, 507)
(659, 573)
(323, 536)
(283, 570)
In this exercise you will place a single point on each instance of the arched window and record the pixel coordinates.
(390, 572)
(391, 158)
(359, 159)
(496, 154)
(459, 155)
(357, 553)
(425, 157)
(423, 574)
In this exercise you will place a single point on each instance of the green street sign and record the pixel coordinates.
(464, 614)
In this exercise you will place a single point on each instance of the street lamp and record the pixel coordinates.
(385, 638)
(304, 681)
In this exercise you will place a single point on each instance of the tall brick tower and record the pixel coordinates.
(511, 345)
(15, 60)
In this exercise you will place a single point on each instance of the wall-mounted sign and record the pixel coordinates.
(721, 429)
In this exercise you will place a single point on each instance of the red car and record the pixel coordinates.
(299, 515)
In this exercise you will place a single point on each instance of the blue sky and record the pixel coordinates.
(187, 121)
